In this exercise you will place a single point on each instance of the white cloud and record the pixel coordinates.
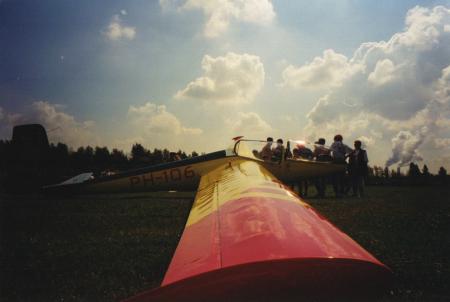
(8, 119)
(231, 79)
(384, 73)
(60, 126)
(116, 30)
(220, 13)
(366, 141)
(249, 124)
(443, 87)
(442, 142)
(396, 88)
(64, 127)
(323, 72)
(156, 120)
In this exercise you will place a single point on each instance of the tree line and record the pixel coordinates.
(59, 162)
(413, 176)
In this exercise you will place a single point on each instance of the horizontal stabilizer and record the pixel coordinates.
(69, 184)
(80, 178)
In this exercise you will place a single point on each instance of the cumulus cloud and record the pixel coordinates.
(442, 142)
(65, 127)
(61, 126)
(366, 141)
(156, 120)
(249, 124)
(220, 13)
(323, 72)
(230, 79)
(117, 31)
(7, 121)
(397, 87)
(384, 73)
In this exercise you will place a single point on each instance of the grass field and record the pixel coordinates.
(107, 247)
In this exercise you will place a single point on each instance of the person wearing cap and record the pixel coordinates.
(358, 168)
(321, 153)
(266, 151)
(339, 152)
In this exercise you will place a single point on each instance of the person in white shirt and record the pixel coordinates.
(277, 151)
(339, 152)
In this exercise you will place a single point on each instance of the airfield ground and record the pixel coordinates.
(107, 247)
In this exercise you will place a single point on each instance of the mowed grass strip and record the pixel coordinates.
(108, 247)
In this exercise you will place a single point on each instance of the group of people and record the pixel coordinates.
(357, 167)
(269, 153)
(355, 160)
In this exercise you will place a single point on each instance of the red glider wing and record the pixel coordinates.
(250, 237)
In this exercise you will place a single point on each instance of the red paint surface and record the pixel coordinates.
(259, 229)
(282, 280)
(265, 246)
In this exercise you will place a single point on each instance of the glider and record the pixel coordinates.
(249, 237)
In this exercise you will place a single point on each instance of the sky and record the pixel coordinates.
(192, 74)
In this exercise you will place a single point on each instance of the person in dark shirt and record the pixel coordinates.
(266, 152)
(357, 169)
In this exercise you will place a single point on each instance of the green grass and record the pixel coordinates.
(92, 248)
(408, 229)
(108, 247)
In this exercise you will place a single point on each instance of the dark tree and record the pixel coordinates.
(393, 173)
(118, 159)
(442, 174)
(59, 159)
(425, 171)
(101, 158)
(414, 170)
(157, 156)
(88, 156)
(140, 156)
(182, 154)
(138, 152)
(370, 171)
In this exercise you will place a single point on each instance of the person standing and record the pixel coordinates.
(266, 152)
(358, 169)
(321, 153)
(278, 151)
(339, 152)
